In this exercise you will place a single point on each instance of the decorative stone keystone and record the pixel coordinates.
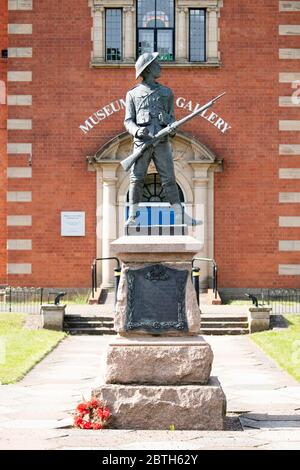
(53, 316)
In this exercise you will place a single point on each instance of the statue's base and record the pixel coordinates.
(153, 301)
(153, 230)
(161, 407)
(158, 360)
(159, 382)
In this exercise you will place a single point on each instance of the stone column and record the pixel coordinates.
(109, 221)
(98, 34)
(200, 181)
(182, 35)
(99, 218)
(212, 31)
(129, 34)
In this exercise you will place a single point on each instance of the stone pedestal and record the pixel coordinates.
(187, 407)
(53, 316)
(156, 361)
(173, 254)
(158, 368)
(259, 318)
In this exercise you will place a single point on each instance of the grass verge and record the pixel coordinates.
(283, 345)
(22, 349)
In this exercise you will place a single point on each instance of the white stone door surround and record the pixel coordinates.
(195, 165)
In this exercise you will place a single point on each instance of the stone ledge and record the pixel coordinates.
(187, 407)
(120, 65)
(158, 361)
(157, 244)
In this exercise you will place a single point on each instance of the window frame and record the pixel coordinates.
(180, 36)
(121, 35)
(155, 30)
(205, 36)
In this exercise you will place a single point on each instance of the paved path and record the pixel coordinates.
(36, 413)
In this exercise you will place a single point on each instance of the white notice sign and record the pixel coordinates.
(73, 224)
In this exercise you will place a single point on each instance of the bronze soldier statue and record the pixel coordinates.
(150, 108)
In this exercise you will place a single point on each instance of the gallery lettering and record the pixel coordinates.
(210, 116)
(120, 104)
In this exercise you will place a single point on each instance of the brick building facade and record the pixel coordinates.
(65, 136)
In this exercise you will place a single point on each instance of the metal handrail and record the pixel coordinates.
(215, 272)
(94, 272)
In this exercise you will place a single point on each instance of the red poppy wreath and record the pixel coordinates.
(91, 414)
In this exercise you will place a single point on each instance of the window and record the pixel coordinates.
(197, 33)
(113, 34)
(182, 31)
(155, 28)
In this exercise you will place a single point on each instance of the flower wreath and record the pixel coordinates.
(91, 414)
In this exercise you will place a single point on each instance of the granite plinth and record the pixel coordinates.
(156, 248)
(158, 361)
(186, 407)
(145, 315)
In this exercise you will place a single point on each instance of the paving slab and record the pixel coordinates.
(36, 413)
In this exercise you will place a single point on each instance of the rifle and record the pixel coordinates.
(169, 129)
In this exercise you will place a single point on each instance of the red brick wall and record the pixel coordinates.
(66, 91)
(3, 142)
(246, 194)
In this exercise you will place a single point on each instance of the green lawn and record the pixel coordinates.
(283, 345)
(21, 349)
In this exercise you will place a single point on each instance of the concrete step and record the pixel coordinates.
(211, 318)
(90, 331)
(224, 331)
(79, 318)
(88, 324)
(224, 324)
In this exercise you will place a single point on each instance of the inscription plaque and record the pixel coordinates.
(156, 299)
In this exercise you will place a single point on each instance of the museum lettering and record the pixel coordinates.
(181, 102)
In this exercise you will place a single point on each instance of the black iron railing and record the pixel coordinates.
(21, 299)
(281, 300)
(117, 273)
(196, 276)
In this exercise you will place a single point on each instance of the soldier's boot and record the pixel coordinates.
(181, 217)
(132, 218)
(135, 192)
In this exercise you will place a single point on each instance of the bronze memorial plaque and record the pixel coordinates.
(156, 299)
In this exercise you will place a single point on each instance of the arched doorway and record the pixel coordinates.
(194, 165)
(154, 207)
(153, 190)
